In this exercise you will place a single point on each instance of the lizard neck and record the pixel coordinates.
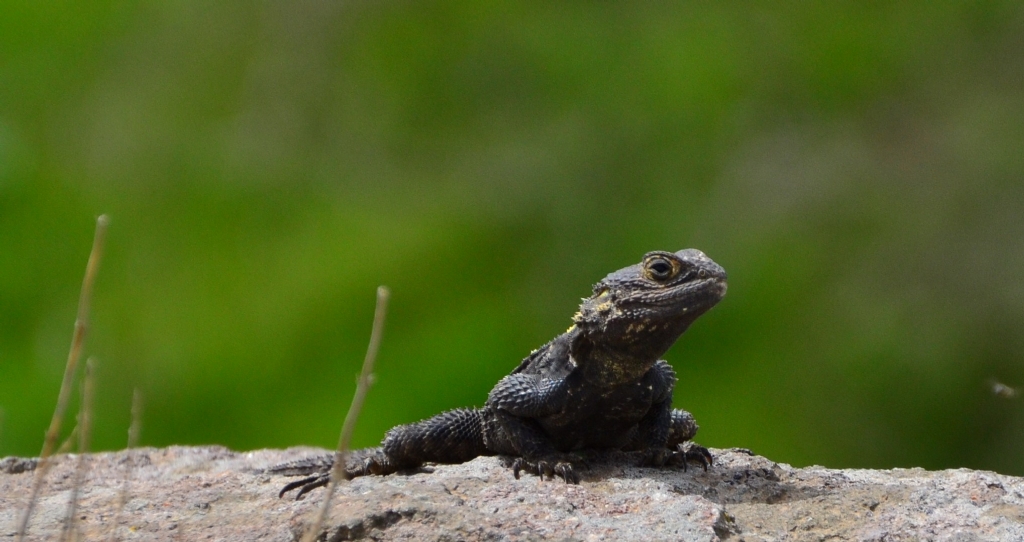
(604, 366)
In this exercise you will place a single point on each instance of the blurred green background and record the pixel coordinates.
(857, 168)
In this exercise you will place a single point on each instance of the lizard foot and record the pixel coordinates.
(359, 463)
(685, 453)
(548, 467)
(306, 485)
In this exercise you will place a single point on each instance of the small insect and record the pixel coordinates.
(1002, 390)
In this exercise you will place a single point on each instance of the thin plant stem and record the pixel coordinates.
(338, 472)
(70, 531)
(77, 341)
(69, 442)
(134, 431)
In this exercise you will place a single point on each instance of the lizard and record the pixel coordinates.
(601, 385)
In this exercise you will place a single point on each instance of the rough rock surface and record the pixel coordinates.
(186, 493)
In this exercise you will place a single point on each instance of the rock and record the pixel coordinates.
(15, 465)
(193, 493)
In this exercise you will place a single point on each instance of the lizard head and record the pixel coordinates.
(639, 312)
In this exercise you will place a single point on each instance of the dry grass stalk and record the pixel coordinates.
(70, 531)
(133, 440)
(77, 341)
(362, 387)
(135, 430)
(65, 446)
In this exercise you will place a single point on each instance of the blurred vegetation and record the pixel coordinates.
(858, 168)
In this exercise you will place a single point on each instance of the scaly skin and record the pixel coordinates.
(599, 385)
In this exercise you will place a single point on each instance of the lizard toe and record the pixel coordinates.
(567, 472)
(691, 452)
(305, 485)
(519, 465)
(319, 482)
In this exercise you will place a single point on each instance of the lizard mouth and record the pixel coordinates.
(718, 283)
(698, 296)
(693, 297)
(704, 293)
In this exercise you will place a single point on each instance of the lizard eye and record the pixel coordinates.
(660, 269)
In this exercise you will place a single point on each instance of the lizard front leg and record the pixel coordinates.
(682, 428)
(663, 433)
(533, 449)
(510, 425)
(664, 437)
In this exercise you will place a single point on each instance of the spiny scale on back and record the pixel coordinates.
(599, 385)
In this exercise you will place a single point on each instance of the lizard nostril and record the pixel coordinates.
(702, 273)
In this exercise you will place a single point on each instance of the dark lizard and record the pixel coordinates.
(599, 385)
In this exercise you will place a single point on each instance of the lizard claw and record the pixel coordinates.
(518, 465)
(546, 469)
(566, 471)
(685, 453)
